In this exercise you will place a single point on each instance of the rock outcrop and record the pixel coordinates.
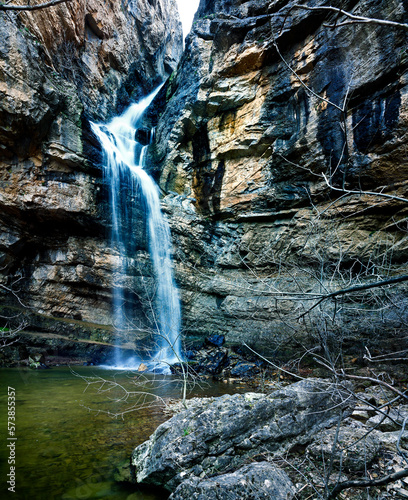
(355, 447)
(343, 451)
(258, 481)
(275, 133)
(214, 437)
(60, 67)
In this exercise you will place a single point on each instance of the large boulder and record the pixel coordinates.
(212, 437)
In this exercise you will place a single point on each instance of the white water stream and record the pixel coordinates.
(123, 159)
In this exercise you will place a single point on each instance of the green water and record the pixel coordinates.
(67, 446)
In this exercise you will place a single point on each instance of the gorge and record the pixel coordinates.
(275, 196)
(278, 192)
(244, 194)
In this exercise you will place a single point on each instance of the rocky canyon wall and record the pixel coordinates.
(60, 67)
(279, 125)
(280, 151)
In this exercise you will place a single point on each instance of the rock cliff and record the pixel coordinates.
(280, 151)
(280, 125)
(60, 67)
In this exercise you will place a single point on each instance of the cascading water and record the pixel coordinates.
(123, 159)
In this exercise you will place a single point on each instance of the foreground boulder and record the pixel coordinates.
(213, 437)
(252, 482)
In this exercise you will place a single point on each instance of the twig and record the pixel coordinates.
(273, 364)
(371, 193)
(359, 377)
(358, 288)
(303, 83)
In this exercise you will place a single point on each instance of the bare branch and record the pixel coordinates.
(376, 380)
(362, 483)
(358, 288)
(303, 83)
(51, 3)
(370, 193)
(273, 364)
(355, 19)
(383, 358)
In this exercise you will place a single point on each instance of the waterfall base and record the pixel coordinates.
(139, 365)
(159, 363)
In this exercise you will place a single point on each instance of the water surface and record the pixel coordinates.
(67, 445)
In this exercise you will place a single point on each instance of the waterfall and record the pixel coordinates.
(123, 160)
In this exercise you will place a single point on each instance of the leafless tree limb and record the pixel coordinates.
(371, 193)
(51, 3)
(354, 19)
(327, 101)
(273, 364)
(374, 380)
(383, 358)
(358, 288)
(362, 483)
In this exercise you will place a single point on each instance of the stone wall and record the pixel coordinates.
(243, 147)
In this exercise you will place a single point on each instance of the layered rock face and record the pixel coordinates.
(273, 136)
(277, 132)
(59, 67)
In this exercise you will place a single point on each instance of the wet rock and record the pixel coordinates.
(36, 361)
(213, 437)
(123, 472)
(252, 482)
(190, 355)
(228, 362)
(143, 136)
(215, 340)
(245, 370)
(213, 362)
(59, 350)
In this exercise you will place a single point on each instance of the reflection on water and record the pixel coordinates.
(67, 443)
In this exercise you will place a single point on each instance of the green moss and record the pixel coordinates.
(170, 84)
